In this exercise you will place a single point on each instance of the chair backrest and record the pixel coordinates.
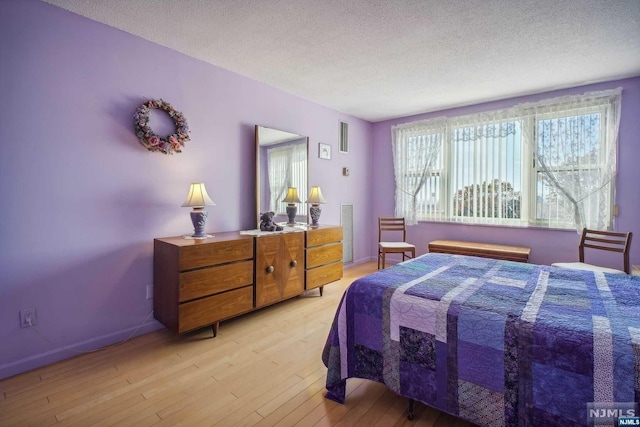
(608, 241)
(391, 225)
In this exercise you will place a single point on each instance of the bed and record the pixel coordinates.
(497, 343)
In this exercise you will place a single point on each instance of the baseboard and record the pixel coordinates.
(358, 262)
(38, 360)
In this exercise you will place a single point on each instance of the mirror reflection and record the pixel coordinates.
(281, 163)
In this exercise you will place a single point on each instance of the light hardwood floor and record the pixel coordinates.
(263, 369)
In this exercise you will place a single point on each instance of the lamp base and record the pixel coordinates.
(199, 219)
(292, 210)
(315, 212)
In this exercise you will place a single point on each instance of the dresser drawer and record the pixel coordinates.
(324, 255)
(322, 275)
(321, 236)
(213, 280)
(205, 311)
(213, 253)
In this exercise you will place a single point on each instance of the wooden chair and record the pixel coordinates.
(393, 226)
(604, 240)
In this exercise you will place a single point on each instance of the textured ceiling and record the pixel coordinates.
(379, 59)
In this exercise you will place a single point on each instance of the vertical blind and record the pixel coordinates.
(550, 164)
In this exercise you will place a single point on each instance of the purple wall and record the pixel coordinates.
(547, 246)
(82, 200)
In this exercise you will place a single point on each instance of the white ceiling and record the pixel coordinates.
(380, 59)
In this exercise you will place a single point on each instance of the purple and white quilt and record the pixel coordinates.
(497, 343)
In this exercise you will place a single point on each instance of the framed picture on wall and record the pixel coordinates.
(324, 151)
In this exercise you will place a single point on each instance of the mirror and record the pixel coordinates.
(281, 162)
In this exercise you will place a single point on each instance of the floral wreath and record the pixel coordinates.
(169, 144)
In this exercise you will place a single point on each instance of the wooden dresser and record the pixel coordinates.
(198, 283)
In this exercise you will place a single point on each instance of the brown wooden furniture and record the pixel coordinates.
(279, 267)
(198, 283)
(603, 240)
(393, 226)
(484, 250)
(323, 256)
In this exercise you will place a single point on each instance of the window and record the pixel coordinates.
(573, 146)
(548, 164)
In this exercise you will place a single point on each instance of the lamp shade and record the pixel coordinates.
(315, 196)
(198, 196)
(292, 196)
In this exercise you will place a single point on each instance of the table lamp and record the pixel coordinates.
(292, 198)
(315, 198)
(198, 199)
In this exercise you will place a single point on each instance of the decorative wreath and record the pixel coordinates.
(169, 144)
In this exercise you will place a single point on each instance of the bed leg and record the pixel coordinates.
(410, 411)
(214, 329)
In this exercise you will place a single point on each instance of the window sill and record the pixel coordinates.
(511, 226)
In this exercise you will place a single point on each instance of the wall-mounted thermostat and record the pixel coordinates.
(345, 171)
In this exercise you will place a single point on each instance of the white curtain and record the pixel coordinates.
(574, 141)
(417, 161)
(549, 163)
(287, 167)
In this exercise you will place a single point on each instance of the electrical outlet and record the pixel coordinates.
(28, 317)
(149, 291)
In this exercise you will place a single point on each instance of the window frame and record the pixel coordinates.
(529, 170)
(534, 220)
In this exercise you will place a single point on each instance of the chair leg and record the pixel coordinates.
(384, 261)
(378, 260)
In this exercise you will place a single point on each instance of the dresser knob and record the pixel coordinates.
(294, 263)
(270, 269)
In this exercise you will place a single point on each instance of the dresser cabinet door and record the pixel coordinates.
(292, 269)
(279, 267)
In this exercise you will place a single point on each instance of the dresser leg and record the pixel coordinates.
(214, 329)
(321, 289)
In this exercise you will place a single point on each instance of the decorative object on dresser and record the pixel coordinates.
(166, 145)
(198, 199)
(198, 283)
(291, 199)
(266, 222)
(315, 198)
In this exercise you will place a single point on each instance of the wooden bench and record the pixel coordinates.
(484, 250)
